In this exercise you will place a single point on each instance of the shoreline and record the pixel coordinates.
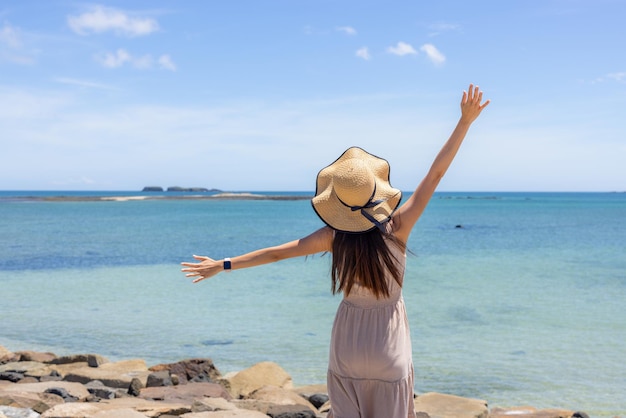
(42, 384)
(121, 198)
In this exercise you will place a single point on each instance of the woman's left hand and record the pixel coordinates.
(206, 268)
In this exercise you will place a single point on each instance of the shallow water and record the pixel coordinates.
(523, 305)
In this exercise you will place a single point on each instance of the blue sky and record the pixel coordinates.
(260, 95)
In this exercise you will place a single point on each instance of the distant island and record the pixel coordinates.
(179, 189)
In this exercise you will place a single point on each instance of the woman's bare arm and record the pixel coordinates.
(408, 214)
(318, 241)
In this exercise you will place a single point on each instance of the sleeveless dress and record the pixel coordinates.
(370, 371)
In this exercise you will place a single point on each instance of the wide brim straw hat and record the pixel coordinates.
(354, 194)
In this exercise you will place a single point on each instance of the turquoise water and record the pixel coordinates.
(523, 304)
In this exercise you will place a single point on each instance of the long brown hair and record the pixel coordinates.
(364, 258)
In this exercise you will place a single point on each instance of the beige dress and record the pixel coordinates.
(370, 372)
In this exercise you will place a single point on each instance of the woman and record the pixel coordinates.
(370, 373)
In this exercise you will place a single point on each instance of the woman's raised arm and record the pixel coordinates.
(408, 214)
(318, 241)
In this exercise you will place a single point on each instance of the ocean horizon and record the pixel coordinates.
(513, 297)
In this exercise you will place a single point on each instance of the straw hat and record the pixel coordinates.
(353, 194)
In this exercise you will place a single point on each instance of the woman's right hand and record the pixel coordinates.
(206, 268)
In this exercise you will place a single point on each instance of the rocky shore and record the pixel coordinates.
(36, 384)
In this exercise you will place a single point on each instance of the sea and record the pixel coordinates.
(514, 298)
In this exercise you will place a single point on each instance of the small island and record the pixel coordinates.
(179, 189)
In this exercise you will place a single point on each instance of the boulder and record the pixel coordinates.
(7, 356)
(119, 413)
(211, 405)
(185, 394)
(76, 390)
(36, 356)
(72, 410)
(529, 412)
(27, 368)
(200, 369)
(157, 379)
(116, 375)
(280, 396)
(236, 413)
(450, 406)
(253, 378)
(146, 407)
(17, 412)
(38, 402)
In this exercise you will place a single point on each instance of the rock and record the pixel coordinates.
(211, 405)
(290, 411)
(580, 415)
(7, 356)
(280, 396)
(38, 402)
(11, 376)
(450, 406)
(36, 356)
(63, 393)
(236, 413)
(73, 389)
(318, 399)
(115, 375)
(529, 412)
(95, 360)
(157, 379)
(146, 407)
(254, 378)
(152, 189)
(74, 358)
(135, 386)
(119, 413)
(71, 410)
(185, 394)
(188, 370)
(11, 412)
(26, 368)
(99, 390)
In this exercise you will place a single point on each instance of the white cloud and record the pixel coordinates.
(619, 77)
(348, 30)
(102, 19)
(114, 60)
(401, 49)
(122, 57)
(165, 61)
(433, 54)
(9, 36)
(363, 53)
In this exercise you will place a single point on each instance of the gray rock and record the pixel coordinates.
(157, 379)
(11, 412)
(135, 387)
(11, 376)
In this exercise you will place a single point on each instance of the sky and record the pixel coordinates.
(259, 95)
